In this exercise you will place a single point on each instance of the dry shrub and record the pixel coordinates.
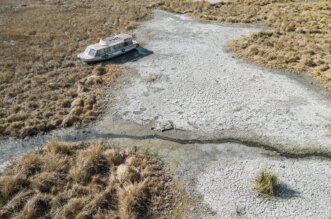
(89, 181)
(73, 207)
(266, 183)
(29, 165)
(47, 181)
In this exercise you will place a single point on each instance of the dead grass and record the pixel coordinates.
(90, 181)
(266, 183)
(299, 40)
(43, 86)
(41, 81)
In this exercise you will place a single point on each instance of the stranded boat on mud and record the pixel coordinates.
(108, 48)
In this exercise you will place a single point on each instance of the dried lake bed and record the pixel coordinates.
(191, 80)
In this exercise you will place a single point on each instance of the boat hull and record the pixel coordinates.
(108, 55)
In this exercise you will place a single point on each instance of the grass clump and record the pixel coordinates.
(84, 181)
(266, 183)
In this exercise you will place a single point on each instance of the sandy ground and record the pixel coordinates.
(201, 87)
(228, 186)
(219, 180)
(205, 92)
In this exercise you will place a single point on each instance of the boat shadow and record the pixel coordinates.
(131, 56)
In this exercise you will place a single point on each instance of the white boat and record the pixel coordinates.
(108, 48)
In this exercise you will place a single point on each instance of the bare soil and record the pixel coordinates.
(298, 41)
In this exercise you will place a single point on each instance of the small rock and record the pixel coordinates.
(163, 126)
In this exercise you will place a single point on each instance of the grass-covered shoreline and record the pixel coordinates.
(43, 86)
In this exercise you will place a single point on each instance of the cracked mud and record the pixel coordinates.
(201, 87)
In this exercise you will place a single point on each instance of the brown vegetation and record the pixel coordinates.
(42, 85)
(80, 181)
(266, 183)
(299, 40)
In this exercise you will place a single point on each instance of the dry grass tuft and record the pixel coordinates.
(36, 207)
(29, 165)
(55, 147)
(10, 185)
(115, 157)
(266, 183)
(134, 200)
(129, 174)
(89, 181)
(89, 163)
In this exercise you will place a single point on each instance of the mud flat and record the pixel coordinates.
(219, 180)
(228, 185)
(192, 81)
(199, 86)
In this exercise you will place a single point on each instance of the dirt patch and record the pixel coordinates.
(299, 40)
(81, 181)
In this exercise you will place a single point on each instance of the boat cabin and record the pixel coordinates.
(110, 44)
(108, 48)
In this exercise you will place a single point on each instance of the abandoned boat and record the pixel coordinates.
(108, 48)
